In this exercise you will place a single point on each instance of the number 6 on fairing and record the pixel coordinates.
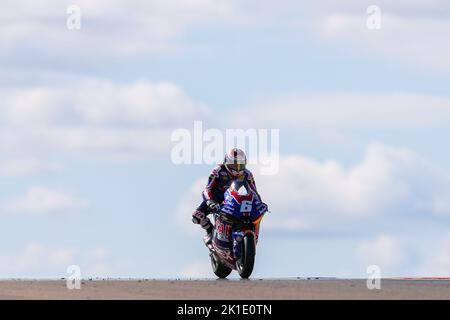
(246, 206)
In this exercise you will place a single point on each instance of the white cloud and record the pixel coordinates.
(109, 29)
(24, 166)
(385, 251)
(99, 103)
(412, 34)
(388, 182)
(36, 260)
(42, 200)
(379, 110)
(407, 255)
(411, 41)
(94, 117)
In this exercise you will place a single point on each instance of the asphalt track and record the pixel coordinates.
(226, 289)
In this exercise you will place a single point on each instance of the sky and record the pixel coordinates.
(88, 112)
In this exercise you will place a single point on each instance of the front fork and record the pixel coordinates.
(238, 238)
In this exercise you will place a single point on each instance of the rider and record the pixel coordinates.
(232, 169)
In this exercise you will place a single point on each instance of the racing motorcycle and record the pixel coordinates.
(233, 245)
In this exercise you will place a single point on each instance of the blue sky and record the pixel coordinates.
(86, 116)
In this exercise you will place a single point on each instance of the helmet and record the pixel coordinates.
(235, 162)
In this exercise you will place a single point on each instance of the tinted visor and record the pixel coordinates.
(236, 166)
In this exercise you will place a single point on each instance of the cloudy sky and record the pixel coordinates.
(86, 118)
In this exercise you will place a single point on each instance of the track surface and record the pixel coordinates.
(225, 289)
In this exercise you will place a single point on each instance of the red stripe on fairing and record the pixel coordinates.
(240, 198)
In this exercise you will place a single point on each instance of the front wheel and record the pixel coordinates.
(246, 263)
(219, 268)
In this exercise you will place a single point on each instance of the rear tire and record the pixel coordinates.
(248, 257)
(219, 269)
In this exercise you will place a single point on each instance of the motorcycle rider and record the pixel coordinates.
(233, 168)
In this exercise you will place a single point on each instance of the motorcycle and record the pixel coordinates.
(233, 245)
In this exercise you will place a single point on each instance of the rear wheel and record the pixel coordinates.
(219, 268)
(246, 263)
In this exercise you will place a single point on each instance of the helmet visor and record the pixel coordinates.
(238, 167)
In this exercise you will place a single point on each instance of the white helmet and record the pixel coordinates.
(235, 161)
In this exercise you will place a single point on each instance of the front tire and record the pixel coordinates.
(219, 269)
(245, 266)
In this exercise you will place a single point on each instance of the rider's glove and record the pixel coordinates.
(213, 206)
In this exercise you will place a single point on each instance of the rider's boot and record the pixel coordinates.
(207, 239)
